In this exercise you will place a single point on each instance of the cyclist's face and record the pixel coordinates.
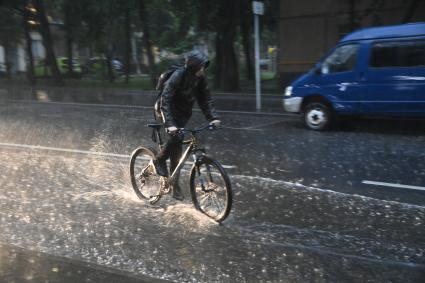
(201, 72)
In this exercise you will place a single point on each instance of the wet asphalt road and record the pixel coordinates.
(301, 211)
(22, 265)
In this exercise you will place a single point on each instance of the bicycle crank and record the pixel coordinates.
(164, 190)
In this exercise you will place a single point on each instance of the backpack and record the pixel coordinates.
(163, 78)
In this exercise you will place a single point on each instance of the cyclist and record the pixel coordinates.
(187, 84)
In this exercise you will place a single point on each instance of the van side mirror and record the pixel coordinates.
(318, 70)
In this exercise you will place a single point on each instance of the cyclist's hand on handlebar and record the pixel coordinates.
(215, 123)
(172, 130)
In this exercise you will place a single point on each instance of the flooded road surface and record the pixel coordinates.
(58, 195)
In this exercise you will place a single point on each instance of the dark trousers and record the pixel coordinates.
(173, 149)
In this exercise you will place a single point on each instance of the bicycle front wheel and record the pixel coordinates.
(146, 184)
(210, 189)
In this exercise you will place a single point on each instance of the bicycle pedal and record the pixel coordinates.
(165, 191)
(141, 179)
(146, 172)
(156, 196)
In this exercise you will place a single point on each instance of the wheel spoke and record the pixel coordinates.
(204, 200)
(217, 205)
(212, 199)
(144, 183)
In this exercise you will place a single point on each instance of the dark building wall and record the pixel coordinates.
(309, 28)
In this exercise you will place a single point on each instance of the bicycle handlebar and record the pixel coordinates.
(198, 130)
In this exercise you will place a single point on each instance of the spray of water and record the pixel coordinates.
(110, 178)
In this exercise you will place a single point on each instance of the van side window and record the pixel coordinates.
(342, 59)
(398, 54)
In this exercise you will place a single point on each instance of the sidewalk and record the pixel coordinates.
(271, 103)
(21, 265)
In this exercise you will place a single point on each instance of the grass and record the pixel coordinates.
(266, 75)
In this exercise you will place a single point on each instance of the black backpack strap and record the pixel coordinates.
(158, 96)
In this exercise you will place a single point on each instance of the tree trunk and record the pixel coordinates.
(141, 56)
(245, 24)
(127, 44)
(30, 70)
(111, 77)
(69, 39)
(48, 42)
(6, 48)
(228, 74)
(70, 55)
(218, 60)
(146, 41)
(352, 21)
(28, 41)
(410, 11)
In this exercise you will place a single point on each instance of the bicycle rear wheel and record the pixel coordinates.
(210, 189)
(146, 184)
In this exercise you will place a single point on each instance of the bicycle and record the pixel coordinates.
(210, 186)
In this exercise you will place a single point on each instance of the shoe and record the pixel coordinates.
(177, 192)
(160, 167)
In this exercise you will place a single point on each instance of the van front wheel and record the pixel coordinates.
(318, 116)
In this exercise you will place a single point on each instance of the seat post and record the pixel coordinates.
(156, 128)
(159, 138)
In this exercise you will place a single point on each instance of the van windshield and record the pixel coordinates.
(342, 59)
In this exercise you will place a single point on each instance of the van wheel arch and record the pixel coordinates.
(316, 98)
(318, 113)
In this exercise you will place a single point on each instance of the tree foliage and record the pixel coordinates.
(106, 28)
(10, 32)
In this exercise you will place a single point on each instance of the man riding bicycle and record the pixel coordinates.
(187, 84)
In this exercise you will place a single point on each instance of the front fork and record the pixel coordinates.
(197, 158)
(196, 161)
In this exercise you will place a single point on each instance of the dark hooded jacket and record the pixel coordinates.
(183, 88)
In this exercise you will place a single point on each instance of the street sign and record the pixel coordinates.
(258, 7)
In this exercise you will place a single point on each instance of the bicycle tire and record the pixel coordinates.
(224, 187)
(140, 158)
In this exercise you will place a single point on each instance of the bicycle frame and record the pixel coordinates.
(191, 149)
(203, 174)
(182, 161)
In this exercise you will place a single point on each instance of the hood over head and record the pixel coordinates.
(195, 60)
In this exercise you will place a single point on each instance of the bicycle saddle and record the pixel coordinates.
(155, 126)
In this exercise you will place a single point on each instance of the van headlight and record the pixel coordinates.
(288, 91)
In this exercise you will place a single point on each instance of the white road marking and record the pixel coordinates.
(39, 147)
(242, 129)
(69, 150)
(393, 185)
(264, 125)
(51, 115)
(141, 118)
(254, 127)
(255, 113)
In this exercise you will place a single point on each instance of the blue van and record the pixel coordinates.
(377, 71)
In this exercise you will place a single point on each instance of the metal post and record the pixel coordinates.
(257, 61)
(257, 9)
